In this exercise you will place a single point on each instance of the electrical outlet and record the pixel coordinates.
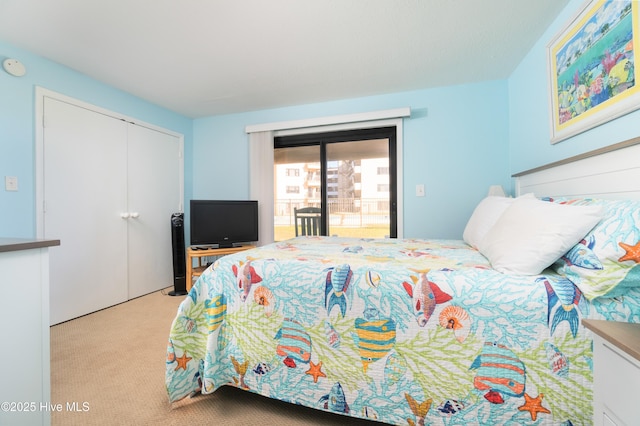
(420, 190)
(10, 183)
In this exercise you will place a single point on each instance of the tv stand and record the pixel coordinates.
(198, 252)
(218, 246)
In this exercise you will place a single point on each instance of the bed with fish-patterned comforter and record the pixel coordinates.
(401, 331)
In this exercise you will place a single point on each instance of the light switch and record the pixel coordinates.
(10, 183)
(420, 190)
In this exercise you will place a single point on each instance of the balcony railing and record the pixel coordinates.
(366, 217)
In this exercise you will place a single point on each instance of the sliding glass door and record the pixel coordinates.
(297, 184)
(349, 175)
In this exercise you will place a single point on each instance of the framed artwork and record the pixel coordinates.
(592, 73)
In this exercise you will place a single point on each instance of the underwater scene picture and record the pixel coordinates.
(597, 63)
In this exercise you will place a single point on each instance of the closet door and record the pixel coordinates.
(85, 192)
(154, 193)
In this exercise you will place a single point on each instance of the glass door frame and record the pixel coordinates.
(324, 138)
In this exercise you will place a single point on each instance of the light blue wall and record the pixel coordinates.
(529, 124)
(455, 143)
(459, 140)
(17, 140)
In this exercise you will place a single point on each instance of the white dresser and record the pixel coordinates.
(616, 372)
(25, 393)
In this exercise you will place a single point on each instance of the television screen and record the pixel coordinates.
(223, 223)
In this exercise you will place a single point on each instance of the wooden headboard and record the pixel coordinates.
(612, 172)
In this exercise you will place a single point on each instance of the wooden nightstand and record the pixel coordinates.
(616, 372)
(193, 253)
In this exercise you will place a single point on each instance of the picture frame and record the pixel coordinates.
(591, 64)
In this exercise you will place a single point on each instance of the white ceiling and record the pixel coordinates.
(210, 57)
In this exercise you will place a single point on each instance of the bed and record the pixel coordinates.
(480, 331)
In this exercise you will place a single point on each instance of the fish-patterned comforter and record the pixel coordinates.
(401, 331)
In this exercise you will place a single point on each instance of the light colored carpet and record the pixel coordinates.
(111, 365)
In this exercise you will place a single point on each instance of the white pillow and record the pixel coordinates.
(532, 234)
(484, 216)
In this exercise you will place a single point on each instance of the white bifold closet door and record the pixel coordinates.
(110, 188)
(153, 194)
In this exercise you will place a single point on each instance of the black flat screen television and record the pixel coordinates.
(223, 223)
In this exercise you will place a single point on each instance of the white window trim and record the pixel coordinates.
(329, 121)
(386, 118)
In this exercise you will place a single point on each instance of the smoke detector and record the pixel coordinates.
(14, 67)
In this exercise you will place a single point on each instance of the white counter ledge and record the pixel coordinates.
(15, 244)
(24, 326)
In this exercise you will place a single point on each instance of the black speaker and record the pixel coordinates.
(179, 255)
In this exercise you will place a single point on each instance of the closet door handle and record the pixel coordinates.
(124, 215)
(135, 215)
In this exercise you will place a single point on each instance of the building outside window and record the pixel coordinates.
(383, 171)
